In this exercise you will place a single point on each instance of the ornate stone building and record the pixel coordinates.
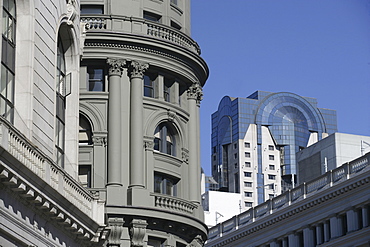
(129, 75)
(141, 81)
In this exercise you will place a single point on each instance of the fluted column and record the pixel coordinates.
(365, 216)
(136, 72)
(319, 234)
(352, 220)
(114, 123)
(194, 97)
(335, 230)
(308, 237)
(293, 239)
(326, 231)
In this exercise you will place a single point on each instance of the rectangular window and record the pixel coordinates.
(271, 186)
(84, 175)
(247, 154)
(247, 174)
(164, 184)
(272, 167)
(152, 17)
(96, 79)
(247, 184)
(271, 147)
(174, 2)
(271, 157)
(247, 145)
(91, 9)
(272, 176)
(175, 25)
(235, 146)
(155, 242)
(148, 86)
(248, 194)
(247, 164)
(235, 156)
(248, 204)
(271, 196)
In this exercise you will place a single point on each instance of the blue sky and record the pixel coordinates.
(316, 48)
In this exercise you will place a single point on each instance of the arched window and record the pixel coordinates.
(60, 104)
(164, 139)
(8, 60)
(85, 134)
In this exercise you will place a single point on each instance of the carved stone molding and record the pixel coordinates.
(137, 69)
(148, 145)
(116, 229)
(185, 156)
(71, 11)
(116, 66)
(197, 242)
(137, 232)
(99, 141)
(195, 92)
(171, 115)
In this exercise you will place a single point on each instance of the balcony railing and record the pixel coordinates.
(173, 204)
(299, 193)
(15, 143)
(139, 26)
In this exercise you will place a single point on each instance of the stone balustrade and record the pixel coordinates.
(292, 196)
(139, 26)
(16, 144)
(173, 203)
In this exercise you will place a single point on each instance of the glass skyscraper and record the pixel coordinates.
(255, 140)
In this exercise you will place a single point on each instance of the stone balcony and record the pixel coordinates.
(27, 171)
(139, 26)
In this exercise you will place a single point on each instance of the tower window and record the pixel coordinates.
(152, 17)
(148, 86)
(271, 157)
(92, 9)
(8, 60)
(165, 184)
(164, 140)
(96, 78)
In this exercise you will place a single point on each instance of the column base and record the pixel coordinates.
(138, 196)
(116, 195)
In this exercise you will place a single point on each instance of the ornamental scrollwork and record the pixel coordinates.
(71, 12)
(137, 69)
(185, 156)
(197, 242)
(116, 229)
(116, 66)
(99, 141)
(195, 92)
(137, 232)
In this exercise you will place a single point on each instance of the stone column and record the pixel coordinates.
(194, 97)
(292, 239)
(334, 227)
(365, 216)
(319, 234)
(326, 231)
(99, 142)
(308, 237)
(352, 220)
(137, 195)
(114, 123)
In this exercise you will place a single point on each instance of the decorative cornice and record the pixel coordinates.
(137, 232)
(116, 66)
(136, 69)
(116, 229)
(195, 92)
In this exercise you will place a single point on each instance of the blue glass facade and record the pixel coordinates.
(290, 118)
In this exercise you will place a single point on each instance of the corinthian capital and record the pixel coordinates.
(137, 69)
(116, 66)
(195, 92)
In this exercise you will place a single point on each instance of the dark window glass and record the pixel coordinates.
(84, 175)
(96, 78)
(85, 135)
(148, 86)
(165, 184)
(152, 17)
(164, 140)
(175, 25)
(92, 9)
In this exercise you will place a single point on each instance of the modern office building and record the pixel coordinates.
(255, 140)
(99, 125)
(141, 79)
(330, 153)
(41, 201)
(331, 210)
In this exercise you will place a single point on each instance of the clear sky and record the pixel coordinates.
(314, 48)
